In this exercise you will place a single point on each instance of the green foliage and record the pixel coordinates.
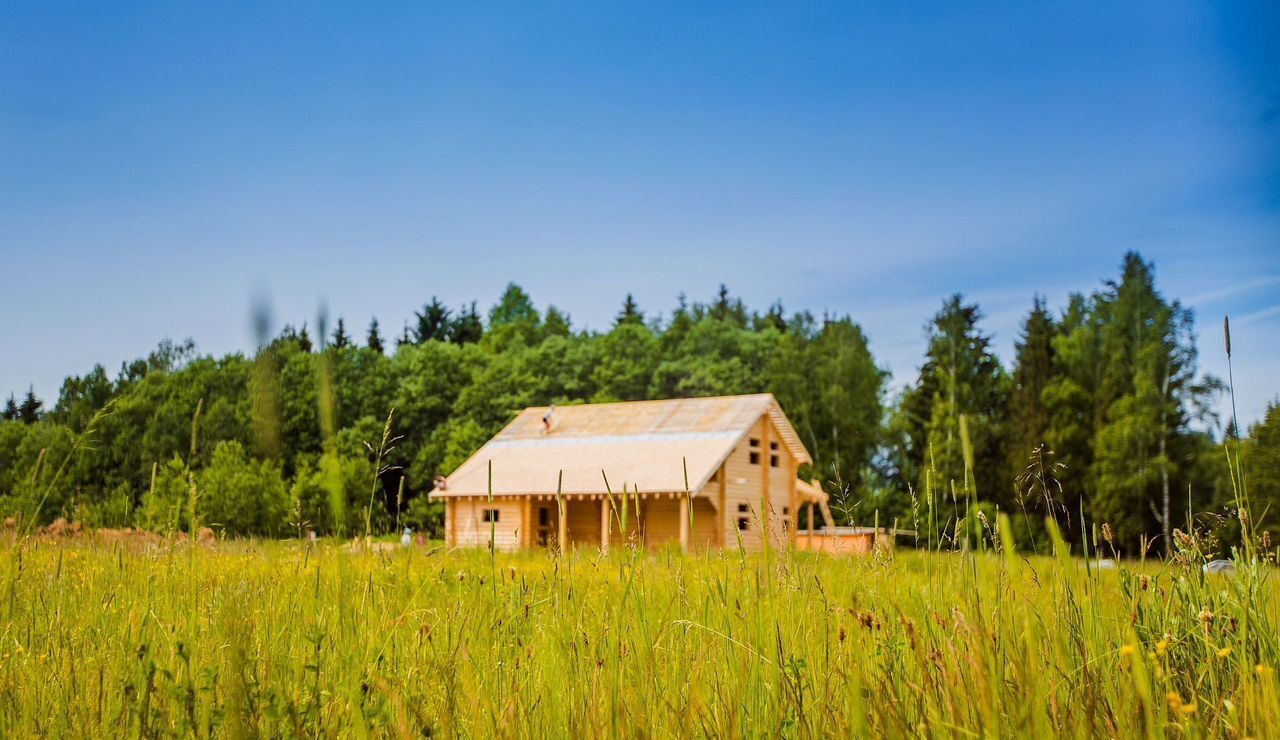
(166, 506)
(311, 503)
(1147, 395)
(1108, 387)
(952, 421)
(1262, 467)
(242, 495)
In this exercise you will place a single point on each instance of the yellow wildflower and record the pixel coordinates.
(1188, 708)
(1162, 646)
(1127, 650)
(1224, 652)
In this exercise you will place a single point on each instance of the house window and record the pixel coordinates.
(743, 524)
(544, 517)
(773, 461)
(490, 515)
(743, 508)
(755, 458)
(755, 442)
(773, 445)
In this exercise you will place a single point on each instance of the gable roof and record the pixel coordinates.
(643, 444)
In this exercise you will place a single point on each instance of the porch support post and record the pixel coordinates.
(526, 521)
(684, 522)
(604, 524)
(563, 535)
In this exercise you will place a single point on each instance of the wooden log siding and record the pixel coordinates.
(470, 529)
(583, 523)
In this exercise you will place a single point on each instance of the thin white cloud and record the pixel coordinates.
(1217, 294)
(1260, 315)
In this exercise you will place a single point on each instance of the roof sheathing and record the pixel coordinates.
(654, 446)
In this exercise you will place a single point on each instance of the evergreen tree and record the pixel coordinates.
(467, 328)
(374, 338)
(10, 412)
(433, 322)
(774, 318)
(341, 340)
(1071, 399)
(32, 408)
(1262, 470)
(1148, 393)
(728, 309)
(1032, 372)
(630, 313)
(961, 394)
(556, 323)
(405, 338)
(304, 339)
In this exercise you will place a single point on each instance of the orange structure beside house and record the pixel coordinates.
(700, 472)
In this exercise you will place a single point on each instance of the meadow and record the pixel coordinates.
(244, 638)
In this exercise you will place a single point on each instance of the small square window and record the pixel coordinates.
(743, 524)
(743, 508)
(773, 461)
(755, 442)
(773, 445)
(755, 458)
(490, 515)
(786, 510)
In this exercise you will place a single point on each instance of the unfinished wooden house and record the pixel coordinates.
(701, 472)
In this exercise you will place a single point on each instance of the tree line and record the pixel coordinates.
(1101, 416)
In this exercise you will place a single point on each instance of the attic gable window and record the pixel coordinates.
(755, 451)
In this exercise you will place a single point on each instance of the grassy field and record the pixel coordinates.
(282, 638)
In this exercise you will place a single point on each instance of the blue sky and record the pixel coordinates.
(161, 164)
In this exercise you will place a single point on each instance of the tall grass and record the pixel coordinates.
(102, 637)
(288, 638)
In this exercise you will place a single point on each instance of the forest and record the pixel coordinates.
(1100, 417)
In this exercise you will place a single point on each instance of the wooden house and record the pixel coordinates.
(701, 472)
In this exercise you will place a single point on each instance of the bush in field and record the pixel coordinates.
(312, 495)
(166, 504)
(242, 495)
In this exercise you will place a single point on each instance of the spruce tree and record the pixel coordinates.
(1071, 399)
(374, 339)
(32, 408)
(556, 323)
(467, 328)
(1148, 393)
(341, 339)
(1032, 372)
(961, 393)
(630, 313)
(304, 339)
(432, 322)
(10, 412)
